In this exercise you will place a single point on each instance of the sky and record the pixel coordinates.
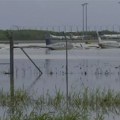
(59, 14)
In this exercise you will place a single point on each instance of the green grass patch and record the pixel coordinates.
(81, 105)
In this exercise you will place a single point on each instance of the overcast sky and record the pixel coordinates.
(58, 13)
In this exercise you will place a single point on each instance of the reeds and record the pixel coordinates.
(81, 105)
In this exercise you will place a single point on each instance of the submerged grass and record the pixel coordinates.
(21, 98)
(81, 105)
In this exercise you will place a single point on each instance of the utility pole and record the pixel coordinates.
(84, 19)
(86, 16)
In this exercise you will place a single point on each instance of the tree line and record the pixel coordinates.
(40, 34)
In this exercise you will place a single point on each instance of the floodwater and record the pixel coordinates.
(87, 68)
(91, 68)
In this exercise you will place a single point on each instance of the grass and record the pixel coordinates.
(81, 105)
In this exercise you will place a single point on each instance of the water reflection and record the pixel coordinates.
(90, 73)
(47, 63)
(34, 82)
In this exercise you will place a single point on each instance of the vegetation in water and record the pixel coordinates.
(86, 105)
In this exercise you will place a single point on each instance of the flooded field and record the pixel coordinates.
(87, 68)
(94, 68)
